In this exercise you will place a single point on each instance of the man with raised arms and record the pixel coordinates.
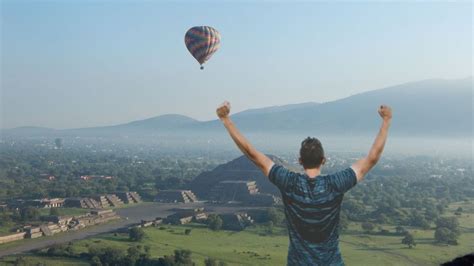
(312, 201)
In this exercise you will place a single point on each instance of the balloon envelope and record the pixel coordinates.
(202, 42)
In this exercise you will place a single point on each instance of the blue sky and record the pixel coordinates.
(85, 63)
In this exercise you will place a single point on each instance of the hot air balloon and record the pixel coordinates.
(202, 42)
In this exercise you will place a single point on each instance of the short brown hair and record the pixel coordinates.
(311, 153)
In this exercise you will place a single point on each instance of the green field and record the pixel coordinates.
(254, 247)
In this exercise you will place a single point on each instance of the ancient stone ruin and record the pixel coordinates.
(238, 191)
(183, 196)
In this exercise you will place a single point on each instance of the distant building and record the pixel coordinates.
(89, 177)
(86, 203)
(109, 200)
(45, 203)
(184, 216)
(183, 196)
(129, 197)
(48, 177)
(104, 201)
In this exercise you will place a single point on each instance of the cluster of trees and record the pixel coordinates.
(135, 256)
(21, 167)
(107, 255)
(409, 200)
(447, 230)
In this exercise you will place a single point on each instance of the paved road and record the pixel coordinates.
(135, 214)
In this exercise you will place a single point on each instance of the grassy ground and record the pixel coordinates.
(65, 211)
(254, 247)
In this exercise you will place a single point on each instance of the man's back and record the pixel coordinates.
(312, 207)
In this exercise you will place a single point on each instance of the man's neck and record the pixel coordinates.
(312, 172)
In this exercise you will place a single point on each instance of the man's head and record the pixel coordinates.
(311, 153)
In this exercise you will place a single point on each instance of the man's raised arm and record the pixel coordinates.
(364, 165)
(260, 159)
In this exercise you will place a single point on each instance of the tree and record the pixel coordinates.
(409, 240)
(112, 256)
(136, 234)
(417, 219)
(451, 223)
(210, 262)
(445, 235)
(187, 231)
(183, 257)
(367, 227)
(214, 222)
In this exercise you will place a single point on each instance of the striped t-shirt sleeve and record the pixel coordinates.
(343, 181)
(280, 176)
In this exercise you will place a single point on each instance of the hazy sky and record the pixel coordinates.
(90, 63)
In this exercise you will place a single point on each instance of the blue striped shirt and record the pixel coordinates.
(312, 207)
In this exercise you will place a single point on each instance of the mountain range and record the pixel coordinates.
(425, 108)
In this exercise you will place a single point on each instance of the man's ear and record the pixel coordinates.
(300, 161)
(324, 161)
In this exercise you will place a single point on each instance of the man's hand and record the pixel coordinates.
(385, 112)
(223, 110)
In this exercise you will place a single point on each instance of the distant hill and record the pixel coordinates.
(168, 122)
(275, 109)
(238, 169)
(426, 108)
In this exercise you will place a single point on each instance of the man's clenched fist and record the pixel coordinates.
(223, 110)
(385, 112)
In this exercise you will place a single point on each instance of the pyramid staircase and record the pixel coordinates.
(189, 195)
(129, 197)
(184, 196)
(135, 196)
(103, 202)
(113, 200)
